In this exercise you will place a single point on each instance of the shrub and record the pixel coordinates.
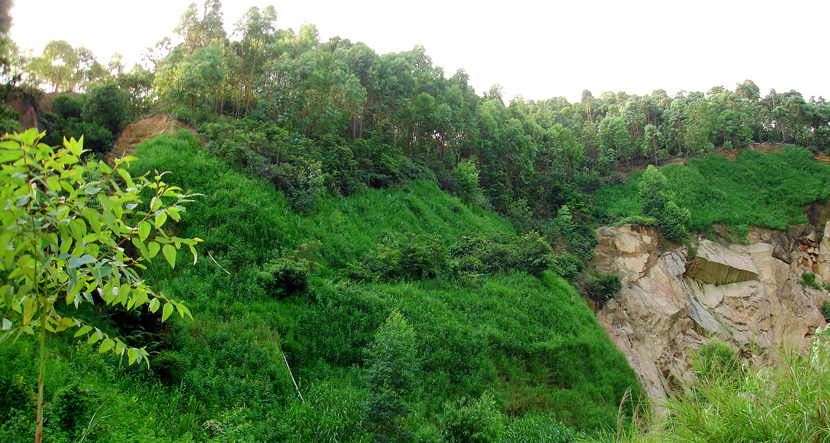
(465, 178)
(474, 254)
(658, 202)
(106, 106)
(567, 267)
(601, 287)
(284, 277)
(303, 182)
(809, 279)
(716, 359)
(825, 310)
(408, 256)
(390, 374)
(472, 421)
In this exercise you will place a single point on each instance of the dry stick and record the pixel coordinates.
(217, 264)
(292, 376)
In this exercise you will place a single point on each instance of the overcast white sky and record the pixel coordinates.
(531, 48)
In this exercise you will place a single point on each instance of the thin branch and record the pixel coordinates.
(217, 264)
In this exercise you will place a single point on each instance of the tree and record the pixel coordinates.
(391, 361)
(107, 105)
(66, 227)
(614, 140)
(658, 202)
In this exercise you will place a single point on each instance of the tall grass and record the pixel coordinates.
(765, 190)
(786, 401)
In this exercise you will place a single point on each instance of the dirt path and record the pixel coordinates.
(134, 134)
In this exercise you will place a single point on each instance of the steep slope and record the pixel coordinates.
(748, 295)
(141, 130)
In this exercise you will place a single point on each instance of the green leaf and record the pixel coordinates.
(106, 345)
(29, 309)
(170, 254)
(168, 309)
(154, 249)
(154, 305)
(82, 330)
(10, 156)
(75, 262)
(160, 218)
(141, 248)
(183, 310)
(126, 176)
(144, 230)
(132, 354)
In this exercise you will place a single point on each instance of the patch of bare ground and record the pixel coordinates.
(135, 133)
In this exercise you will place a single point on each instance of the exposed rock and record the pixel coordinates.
(742, 294)
(720, 265)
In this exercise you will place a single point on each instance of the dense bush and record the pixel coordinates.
(106, 106)
(391, 368)
(283, 277)
(601, 287)
(658, 202)
(825, 310)
(716, 359)
(465, 179)
(472, 421)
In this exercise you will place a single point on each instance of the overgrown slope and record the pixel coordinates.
(768, 190)
(495, 344)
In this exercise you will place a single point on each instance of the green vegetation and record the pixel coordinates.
(766, 190)
(825, 310)
(494, 333)
(65, 225)
(403, 248)
(786, 401)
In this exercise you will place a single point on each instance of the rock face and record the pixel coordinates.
(746, 295)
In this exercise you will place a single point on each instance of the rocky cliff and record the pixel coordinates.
(747, 294)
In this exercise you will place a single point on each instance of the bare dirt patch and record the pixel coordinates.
(134, 134)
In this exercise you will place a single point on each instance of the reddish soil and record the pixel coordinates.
(141, 130)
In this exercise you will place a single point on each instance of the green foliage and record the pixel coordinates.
(465, 178)
(390, 373)
(530, 340)
(658, 202)
(601, 287)
(572, 228)
(537, 429)
(106, 106)
(765, 190)
(498, 253)
(285, 277)
(716, 360)
(408, 256)
(767, 404)
(567, 267)
(472, 421)
(825, 310)
(64, 229)
(809, 279)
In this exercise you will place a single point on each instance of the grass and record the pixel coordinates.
(530, 341)
(765, 190)
(788, 400)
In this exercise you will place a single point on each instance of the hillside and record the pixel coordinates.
(493, 343)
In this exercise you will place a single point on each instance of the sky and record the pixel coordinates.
(536, 49)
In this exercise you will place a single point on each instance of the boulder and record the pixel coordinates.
(719, 265)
